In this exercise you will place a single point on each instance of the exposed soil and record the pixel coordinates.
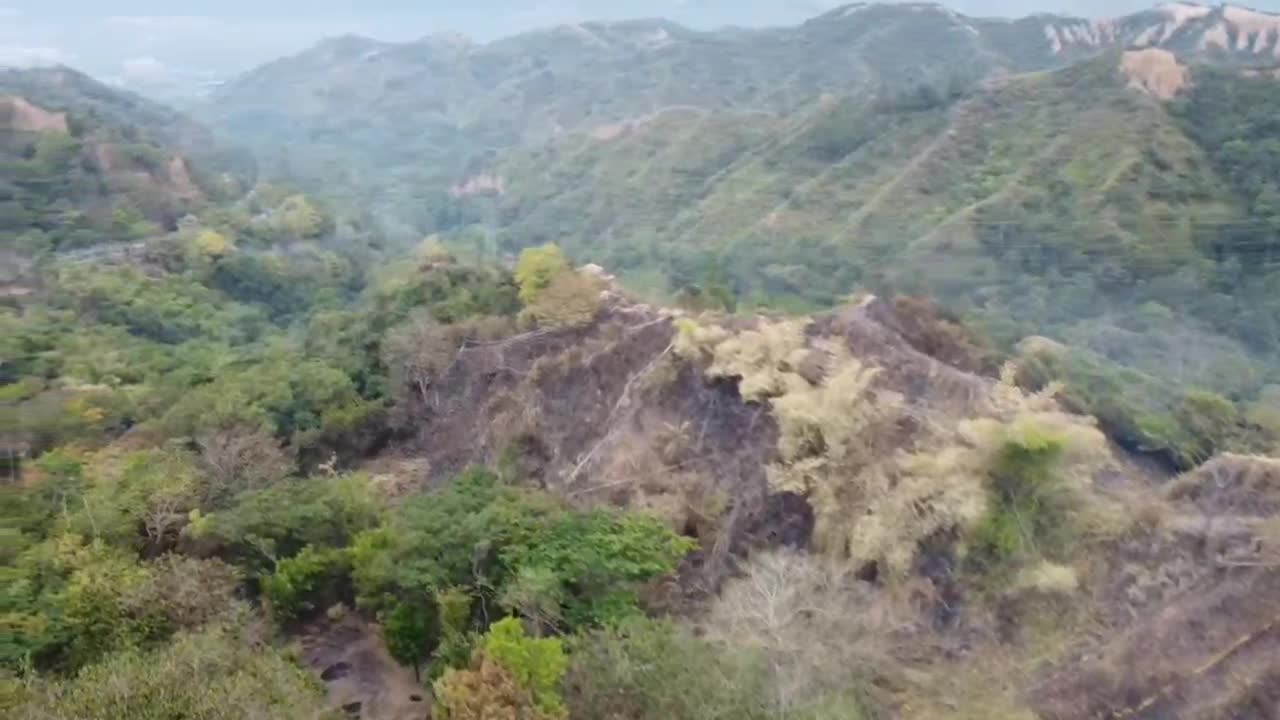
(1176, 617)
(1189, 611)
(361, 678)
(1156, 72)
(609, 415)
(18, 114)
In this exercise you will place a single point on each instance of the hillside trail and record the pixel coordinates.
(359, 674)
(873, 203)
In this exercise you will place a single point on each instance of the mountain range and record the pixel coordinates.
(399, 124)
(899, 364)
(1111, 184)
(899, 146)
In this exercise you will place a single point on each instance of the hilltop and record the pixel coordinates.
(881, 509)
(1084, 180)
(86, 164)
(939, 377)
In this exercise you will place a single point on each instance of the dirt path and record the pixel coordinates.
(361, 677)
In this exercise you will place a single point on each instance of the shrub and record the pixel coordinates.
(1048, 578)
(1033, 493)
(212, 675)
(412, 632)
(809, 621)
(309, 582)
(831, 436)
(1024, 451)
(646, 668)
(763, 359)
(537, 269)
(697, 342)
(486, 691)
(512, 676)
(1210, 423)
(572, 299)
(536, 663)
(241, 458)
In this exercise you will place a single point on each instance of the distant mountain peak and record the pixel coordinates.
(1182, 26)
(852, 9)
(452, 40)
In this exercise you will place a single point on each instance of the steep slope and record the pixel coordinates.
(573, 77)
(85, 164)
(1108, 184)
(751, 433)
(865, 181)
(1052, 203)
(1226, 33)
(398, 123)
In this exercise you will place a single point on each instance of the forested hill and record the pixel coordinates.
(262, 460)
(1109, 184)
(399, 124)
(82, 163)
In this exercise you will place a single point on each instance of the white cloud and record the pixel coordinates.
(27, 57)
(145, 70)
(164, 23)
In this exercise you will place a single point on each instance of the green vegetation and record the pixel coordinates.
(560, 568)
(182, 412)
(220, 398)
(211, 675)
(118, 169)
(166, 476)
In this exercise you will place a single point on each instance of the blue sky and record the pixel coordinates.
(145, 41)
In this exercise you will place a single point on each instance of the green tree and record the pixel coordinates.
(592, 562)
(646, 668)
(538, 268)
(309, 582)
(536, 663)
(211, 675)
(486, 691)
(571, 299)
(498, 541)
(278, 522)
(412, 631)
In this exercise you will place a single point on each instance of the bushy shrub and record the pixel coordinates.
(656, 669)
(537, 269)
(308, 582)
(485, 691)
(763, 359)
(211, 675)
(572, 299)
(499, 542)
(1035, 466)
(513, 675)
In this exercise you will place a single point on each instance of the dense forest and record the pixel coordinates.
(944, 387)
(181, 424)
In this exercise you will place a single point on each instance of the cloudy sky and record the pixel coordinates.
(151, 41)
